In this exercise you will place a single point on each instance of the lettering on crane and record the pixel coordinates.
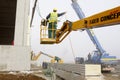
(96, 20)
(111, 16)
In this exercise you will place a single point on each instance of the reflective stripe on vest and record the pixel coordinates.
(53, 17)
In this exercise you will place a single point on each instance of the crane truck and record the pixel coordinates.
(103, 19)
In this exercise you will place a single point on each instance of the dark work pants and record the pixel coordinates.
(52, 30)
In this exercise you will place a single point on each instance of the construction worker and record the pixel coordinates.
(52, 19)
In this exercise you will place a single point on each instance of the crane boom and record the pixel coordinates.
(106, 18)
(46, 54)
(53, 60)
(34, 58)
(90, 32)
(99, 55)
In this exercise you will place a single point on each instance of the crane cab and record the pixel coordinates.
(44, 34)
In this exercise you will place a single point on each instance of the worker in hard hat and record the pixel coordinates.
(52, 19)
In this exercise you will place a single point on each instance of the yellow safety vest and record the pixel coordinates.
(53, 17)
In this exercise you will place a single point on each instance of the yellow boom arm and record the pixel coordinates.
(106, 18)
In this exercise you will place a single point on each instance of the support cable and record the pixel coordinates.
(38, 10)
(72, 48)
(73, 53)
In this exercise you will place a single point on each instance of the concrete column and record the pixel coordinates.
(22, 20)
(17, 57)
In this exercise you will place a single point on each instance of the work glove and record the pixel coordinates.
(47, 20)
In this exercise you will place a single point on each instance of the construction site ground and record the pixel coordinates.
(40, 76)
(19, 76)
(37, 74)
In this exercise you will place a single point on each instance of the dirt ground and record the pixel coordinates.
(115, 75)
(23, 76)
(31, 76)
(111, 76)
(19, 76)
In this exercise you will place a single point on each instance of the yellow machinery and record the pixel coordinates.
(34, 57)
(44, 33)
(103, 19)
(53, 60)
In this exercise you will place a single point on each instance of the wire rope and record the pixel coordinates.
(73, 53)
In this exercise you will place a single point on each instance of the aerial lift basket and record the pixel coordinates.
(44, 34)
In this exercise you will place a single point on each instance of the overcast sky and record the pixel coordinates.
(109, 37)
